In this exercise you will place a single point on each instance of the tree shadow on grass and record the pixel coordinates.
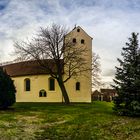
(9, 109)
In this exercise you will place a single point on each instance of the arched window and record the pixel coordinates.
(74, 40)
(51, 84)
(78, 30)
(77, 85)
(42, 93)
(27, 84)
(82, 41)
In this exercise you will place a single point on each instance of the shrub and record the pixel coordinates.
(7, 90)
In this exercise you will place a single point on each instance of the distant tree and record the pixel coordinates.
(54, 44)
(127, 79)
(7, 90)
(96, 71)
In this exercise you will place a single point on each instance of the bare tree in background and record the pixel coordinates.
(53, 44)
(96, 71)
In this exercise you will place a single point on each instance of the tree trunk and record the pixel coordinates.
(63, 90)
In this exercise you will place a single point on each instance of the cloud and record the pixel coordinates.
(109, 22)
(109, 72)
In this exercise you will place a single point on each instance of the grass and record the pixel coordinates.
(40, 121)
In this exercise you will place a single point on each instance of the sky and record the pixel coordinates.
(109, 22)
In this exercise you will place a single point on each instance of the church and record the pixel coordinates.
(35, 85)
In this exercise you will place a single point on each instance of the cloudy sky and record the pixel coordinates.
(109, 22)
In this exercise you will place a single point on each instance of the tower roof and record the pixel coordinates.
(78, 27)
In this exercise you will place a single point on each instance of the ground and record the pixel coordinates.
(40, 121)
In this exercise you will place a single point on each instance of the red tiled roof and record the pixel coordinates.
(28, 68)
(108, 90)
(96, 92)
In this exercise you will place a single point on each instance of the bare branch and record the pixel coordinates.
(96, 70)
(54, 44)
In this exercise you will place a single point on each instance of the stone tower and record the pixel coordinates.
(81, 39)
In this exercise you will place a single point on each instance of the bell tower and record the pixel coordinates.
(81, 39)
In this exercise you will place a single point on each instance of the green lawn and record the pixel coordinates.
(29, 121)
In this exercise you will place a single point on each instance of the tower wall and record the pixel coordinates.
(85, 79)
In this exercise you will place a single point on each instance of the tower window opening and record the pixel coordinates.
(82, 41)
(77, 85)
(78, 30)
(74, 40)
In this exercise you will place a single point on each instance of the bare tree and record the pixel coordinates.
(54, 44)
(96, 71)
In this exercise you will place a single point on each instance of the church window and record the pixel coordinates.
(51, 84)
(27, 84)
(82, 41)
(74, 40)
(42, 93)
(78, 30)
(77, 85)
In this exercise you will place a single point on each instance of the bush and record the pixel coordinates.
(7, 90)
(133, 109)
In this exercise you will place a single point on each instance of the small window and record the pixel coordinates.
(51, 84)
(27, 84)
(42, 93)
(82, 41)
(74, 40)
(77, 85)
(78, 30)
